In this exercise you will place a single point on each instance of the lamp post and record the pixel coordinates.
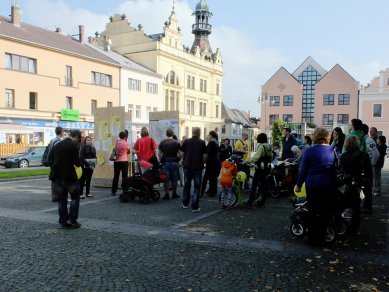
(262, 100)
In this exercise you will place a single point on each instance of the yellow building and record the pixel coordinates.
(192, 77)
(49, 79)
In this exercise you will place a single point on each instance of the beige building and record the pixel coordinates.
(192, 83)
(374, 103)
(309, 95)
(43, 75)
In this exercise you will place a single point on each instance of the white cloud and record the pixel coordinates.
(246, 63)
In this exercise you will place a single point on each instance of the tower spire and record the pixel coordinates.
(202, 29)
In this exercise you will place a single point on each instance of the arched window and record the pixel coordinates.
(172, 78)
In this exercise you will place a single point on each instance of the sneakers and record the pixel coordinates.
(166, 197)
(89, 196)
(175, 196)
(73, 225)
(82, 197)
(196, 210)
(184, 207)
(376, 194)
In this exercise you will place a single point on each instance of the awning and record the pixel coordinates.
(14, 129)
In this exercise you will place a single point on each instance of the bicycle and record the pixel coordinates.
(237, 189)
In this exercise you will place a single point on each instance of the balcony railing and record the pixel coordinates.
(202, 26)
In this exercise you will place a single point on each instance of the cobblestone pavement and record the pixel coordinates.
(162, 247)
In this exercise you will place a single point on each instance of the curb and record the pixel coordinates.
(23, 178)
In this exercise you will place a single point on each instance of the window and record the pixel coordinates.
(134, 84)
(109, 103)
(217, 111)
(377, 110)
(171, 78)
(155, 109)
(69, 76)
(166, 100)
(308, 78)
(101, 79)
(148, 110)
(288, 100)
(93, 106)
(203, 85)
(274, 100)
(190, 107)
(33, 100)
(203, 109)
(69, 102)
(189, 82)
(9, 98)
(138, 112)
(328, 99)
(151, 88)
(343, 119)
(172, 99)
(217, 89)
(287, 118)
(344, 99)
(131, 110)
(328, 119)
(272, 118)
(20, 63)
(387, 83)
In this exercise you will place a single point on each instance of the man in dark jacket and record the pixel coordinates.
(212, 167)
(194, 153)
(287, 142)
(65, 158)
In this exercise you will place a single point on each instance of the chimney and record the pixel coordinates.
(81, 33)
(58, 29)
(15, 14)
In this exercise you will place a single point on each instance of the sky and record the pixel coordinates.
(256, 37)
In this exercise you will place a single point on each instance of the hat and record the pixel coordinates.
(294, 132)
(294, 148)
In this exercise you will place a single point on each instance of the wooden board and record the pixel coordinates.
(108, 123)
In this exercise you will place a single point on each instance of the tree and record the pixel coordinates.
(276, 130)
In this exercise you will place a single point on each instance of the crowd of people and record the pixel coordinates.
(315, 162)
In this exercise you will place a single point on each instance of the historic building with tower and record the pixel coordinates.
(192, 77)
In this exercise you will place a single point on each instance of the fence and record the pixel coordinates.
(11, 148)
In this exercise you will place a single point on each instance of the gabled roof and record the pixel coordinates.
(236, 116)
(123, 61)
(309, 61)
(50, 39)
(279, 71)
(335, 67)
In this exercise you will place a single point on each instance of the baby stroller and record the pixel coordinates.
(142, 185)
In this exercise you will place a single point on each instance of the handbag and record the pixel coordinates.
(78, 170)
(342, 179)
(113, 155)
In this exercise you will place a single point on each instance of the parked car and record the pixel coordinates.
(29, 156)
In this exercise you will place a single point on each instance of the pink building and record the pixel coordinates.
(374, 103)
(309, 94)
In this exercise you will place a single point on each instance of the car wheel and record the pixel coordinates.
(23, 163)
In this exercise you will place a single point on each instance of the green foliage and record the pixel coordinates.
(311, 125)
(276, 130)
(24, 173)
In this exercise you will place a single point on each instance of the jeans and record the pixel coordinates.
(85, 180)
(226, 195)
(211, 174)
(259, 182)
(189, 175)
(63, 188)
(171, 171)
(120, 166)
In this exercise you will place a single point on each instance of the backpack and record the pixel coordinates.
(264, 162)
(46, 155)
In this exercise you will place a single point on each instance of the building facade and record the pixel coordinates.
(49, 79)
(141, 90)
(309, 95)
(192, 77)
(374, 103)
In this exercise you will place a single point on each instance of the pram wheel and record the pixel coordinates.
(274, 191)
(144, 198)
(341, 228)
(155, 195)
(330, 235)
(234, 199)
(297, 229)
(123, 198)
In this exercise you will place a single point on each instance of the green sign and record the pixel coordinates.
(70, 115)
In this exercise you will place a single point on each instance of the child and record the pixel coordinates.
(228, 171)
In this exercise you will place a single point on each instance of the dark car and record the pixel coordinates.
(29, 156)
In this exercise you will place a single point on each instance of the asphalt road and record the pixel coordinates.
(162, 247)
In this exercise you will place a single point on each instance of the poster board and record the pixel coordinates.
(160, 122)
(109, 122)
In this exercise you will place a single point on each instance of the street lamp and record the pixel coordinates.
(262, 100)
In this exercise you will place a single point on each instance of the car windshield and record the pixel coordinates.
(22, 151)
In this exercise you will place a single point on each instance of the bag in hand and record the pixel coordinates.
(113, 156)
